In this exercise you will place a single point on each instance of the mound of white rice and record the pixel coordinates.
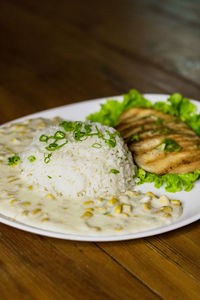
(88, 167)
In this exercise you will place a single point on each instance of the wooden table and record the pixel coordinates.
(58, 52)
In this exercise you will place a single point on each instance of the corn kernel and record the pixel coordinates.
(126, 208)
(151, 194)
(99, 208)
(36, 211)
(22, 133)
(88, 202)
(26, 203)
(41, 125)
(118, 228)
(9, 149)
(13, 180)
(30, 187)
(13, 201)
(147, 206)
(18, 126)
(130, 193)
(50, 196)
(135, 194)
(167, 215)
(55, 119)
(112, 201)
(166, 209)
(125, 214)
(118, 209)
(176, 202)
(45, 219)
(110, 215)
(164, 200)
(89, 209)
(95, 228)
(87, 214)
(25, 213)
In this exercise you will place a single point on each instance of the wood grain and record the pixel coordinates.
(55, 53)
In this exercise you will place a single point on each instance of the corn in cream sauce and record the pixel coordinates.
(129, 212)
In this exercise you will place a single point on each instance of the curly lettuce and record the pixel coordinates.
(112, 109)
(176, 105)
(173, 182)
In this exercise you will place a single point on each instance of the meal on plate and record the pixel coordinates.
(162, 136)
(75, 177)
(160, 143)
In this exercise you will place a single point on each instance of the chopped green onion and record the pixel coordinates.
(60, 146)
(44, 138)
(111, 143)
(47, 158)
(117, 133)
(81, 133)
(88, 128)
(59, 135)
(169, 145)
(32, 158)
(97, 146)
(67, 125)
(49, 177)
(114, 171)
(135, 137)
(79, 136)
(13, 160)
(54, 146)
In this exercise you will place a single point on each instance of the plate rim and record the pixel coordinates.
(94, 238)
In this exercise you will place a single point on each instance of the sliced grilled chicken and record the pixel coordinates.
(160, 143)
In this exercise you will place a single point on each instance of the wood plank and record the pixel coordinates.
(166, 269)
(52, 55)
(176, 53)
(41, 82)
(35, 267)
(181, 247)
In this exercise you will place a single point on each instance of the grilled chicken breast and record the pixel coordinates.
(160, 143)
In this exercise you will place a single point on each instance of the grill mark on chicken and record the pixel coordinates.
(147, 151)
(173, 165)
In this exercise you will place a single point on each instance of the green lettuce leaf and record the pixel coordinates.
(173, 182)
(175, 105)
(111, 110)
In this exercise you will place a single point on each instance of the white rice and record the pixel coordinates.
(79, 169)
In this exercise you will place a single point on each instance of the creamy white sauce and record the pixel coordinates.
(129, 212)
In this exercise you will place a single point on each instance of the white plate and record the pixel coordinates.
(190, 200)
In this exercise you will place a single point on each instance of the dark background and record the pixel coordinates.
(57, 52)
